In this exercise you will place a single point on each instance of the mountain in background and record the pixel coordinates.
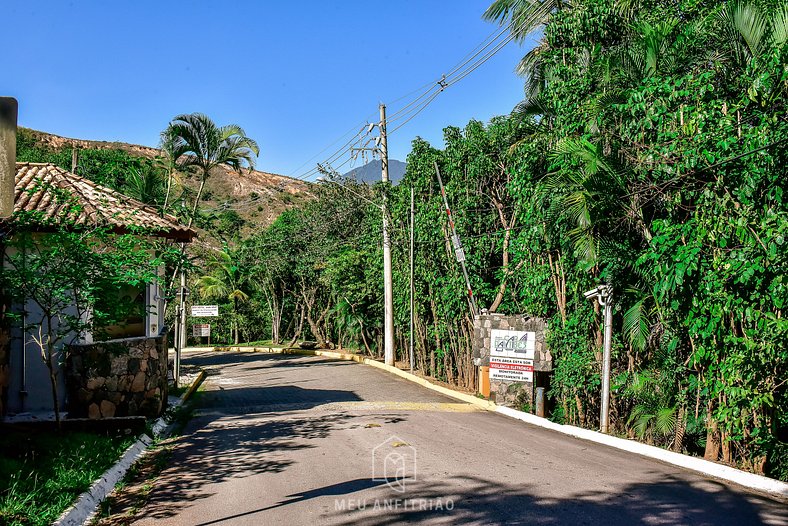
(370, 172)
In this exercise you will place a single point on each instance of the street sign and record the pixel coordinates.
(512, 355)
(200, 330)
(201, 311)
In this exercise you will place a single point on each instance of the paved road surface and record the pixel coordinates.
(287, 440)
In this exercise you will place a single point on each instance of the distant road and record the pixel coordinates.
(281, 440)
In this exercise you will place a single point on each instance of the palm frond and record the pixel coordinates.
(636, 325)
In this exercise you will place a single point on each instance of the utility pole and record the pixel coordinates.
(181, 337)
(604, 295)
(412, 230)
(459, 252)
(388, 286)
(74, 158)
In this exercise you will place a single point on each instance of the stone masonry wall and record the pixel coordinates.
(125, 377)
(512, 394)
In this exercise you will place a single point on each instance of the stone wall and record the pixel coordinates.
(123, 377)
(502, 392)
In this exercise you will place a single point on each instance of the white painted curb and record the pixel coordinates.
(705, 467)
(87, 504)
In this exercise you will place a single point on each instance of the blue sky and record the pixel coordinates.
(295, 75)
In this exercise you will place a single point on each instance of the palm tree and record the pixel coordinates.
(145, 184)
(204, 145)
(226, 281)
(749, 31)
(172, 148)
(523, 18)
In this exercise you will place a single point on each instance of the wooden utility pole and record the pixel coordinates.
(388, 285)
(74, 158)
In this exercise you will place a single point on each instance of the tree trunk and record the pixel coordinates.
(581, 416)
(559, 283)
(681, 427)
(235, 319)
(712, 435)
(197, 199)
(507, 225)
(299, 327)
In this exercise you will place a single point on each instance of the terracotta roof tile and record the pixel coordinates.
(58, 195)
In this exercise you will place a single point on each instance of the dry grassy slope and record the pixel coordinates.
(226, 188)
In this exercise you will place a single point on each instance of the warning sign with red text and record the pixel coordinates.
(511, 369)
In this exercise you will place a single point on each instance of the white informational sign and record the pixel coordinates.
(200, 330)
(205, 310)
(512, 355)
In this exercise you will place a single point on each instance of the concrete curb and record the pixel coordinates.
(87, 504)
(699, 465)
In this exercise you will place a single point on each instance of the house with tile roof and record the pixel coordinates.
(123, 376)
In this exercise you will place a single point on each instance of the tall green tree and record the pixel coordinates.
(227, 281)
(204, 146)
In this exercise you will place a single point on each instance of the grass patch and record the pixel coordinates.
(44, 473)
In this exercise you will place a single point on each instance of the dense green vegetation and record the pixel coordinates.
(648, 154)
(45, 472)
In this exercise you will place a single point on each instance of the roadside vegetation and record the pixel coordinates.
(43, 473)
(648, 153)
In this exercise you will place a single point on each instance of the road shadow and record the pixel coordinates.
(266, 360)
(218, 448)
(244, 432)
(238, 400)
(476, 500)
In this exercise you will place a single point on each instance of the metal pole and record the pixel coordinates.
(182, 337)
(458, 250)
(412, 229)
(388, 286)
(607, 302)
(176, 342)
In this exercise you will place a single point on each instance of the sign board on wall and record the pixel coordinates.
(201, 329)
(512, 355)
(205, 310)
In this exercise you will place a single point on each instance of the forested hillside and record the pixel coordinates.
(232, 206)
(648, 153)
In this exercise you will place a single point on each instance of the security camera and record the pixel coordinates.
(591, 293)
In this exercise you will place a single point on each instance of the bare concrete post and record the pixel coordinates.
(8, 114)
(540, 401)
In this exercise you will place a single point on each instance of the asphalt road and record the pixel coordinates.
(287, 440)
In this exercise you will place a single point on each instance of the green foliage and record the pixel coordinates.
(46, 472)
(648, 154)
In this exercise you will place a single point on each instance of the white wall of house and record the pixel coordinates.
(29, 387)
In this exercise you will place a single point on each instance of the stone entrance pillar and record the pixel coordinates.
(513, 352)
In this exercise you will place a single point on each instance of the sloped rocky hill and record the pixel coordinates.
(258, 197)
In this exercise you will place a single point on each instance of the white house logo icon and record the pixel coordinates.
(394, 461)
